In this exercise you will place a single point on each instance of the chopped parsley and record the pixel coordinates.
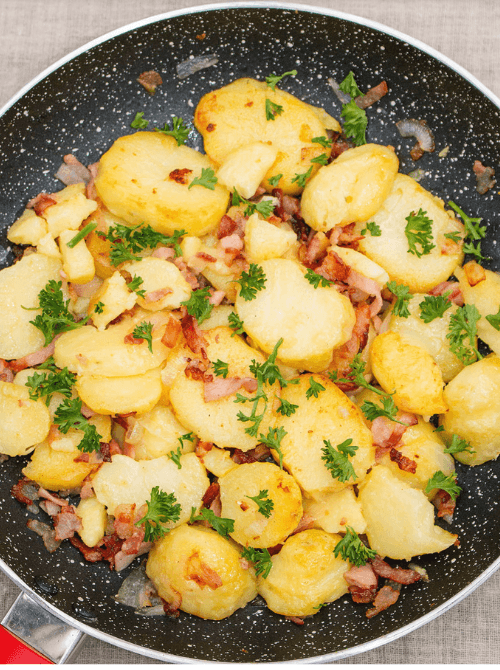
(355, 119)
(316, 280)
(273, 441)
(445, 483)
(128, 241)
(179, 130)
(265, 207)
(99, 307)
(356, 376)
(162, 508)
(264, 503)
(221, 369)
(144, 331)
(187, 437)
(349, 86)
(418, 231)
(454, 236)
(175, 456)
(458, 445)
(139, 121)
(322, 159)
(433, 307)
(494, 320)
(134, 286)
(55, 317)
(221, 525)
(324, 141)
(388, 409)
(286, 408)
(274, 181)
(207, 179)
(252, 281)
(373, 229)
(403, 297)
(261, 559)
(81, 234)
(463, 325)
(337, 460)
(69, 415)
(473, 228)
(236, 324)
(301, 179)
(272, 110)
(273, 79)
(44, 384)
(314, 389)
(198, 304)
(353, 550)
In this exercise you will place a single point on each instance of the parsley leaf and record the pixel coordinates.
(322, 159)
(349, 86)
(301, 179)
(69, 415)
(273, 441)
(463, 324)
(268, 371)
(221, 369)
(355, 122)
(446, 483)
(139, 121)
(272, 110)
(55, 317)
(324, 141)
(274, 181)
(265, 505)
(469, 248)
(273, 79)
(265, 207)
(128, 241)
(286, 408)
(207, 179)
(134, 286)
(337, 461)
(352, 549)
(457, 445)
(175, 456)
(252, 281)
(221, 525)
(261, 559)
(316, 280)
(388, 409)
(144, 331)
(198, 304)
(162, 508)
(187, 437)
(433, 307)
(473, 229)
(494, 320)
(179, 130)
(418, 230)
(99, 307)
(373, 229)
(454, 236)
(403, 297)
(314, 389)
(236, 324)
(356, 376)
(81, 234)
(45, 384)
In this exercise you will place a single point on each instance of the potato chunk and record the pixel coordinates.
(311, 321)
(70, 211)
(20, 285)
(235, 116)
(408, 370)
(94, 519)
(245, 167)
(114, 297)
(57, 470)
(391, 249)
(334, 511)
(162, 281)
(78, 263)
(200, 572)
(252, 527)
(217, 421)
(351, 188)
(23, 422)
(145, 178)
(263, 240)
(157, 433)
(474, 414)
(304, 575)
(330, 416)
(399, 518)
(28, 229)
(485, 295)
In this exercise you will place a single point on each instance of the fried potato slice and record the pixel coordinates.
(157, 433)
(334, 511)
(23, 422)
(57, 470)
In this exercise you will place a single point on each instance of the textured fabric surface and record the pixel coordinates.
(36, 33)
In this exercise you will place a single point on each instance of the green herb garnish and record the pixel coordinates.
(458, 445)
(81, 234)
(272, 110)
(261, 559)
(264, 503)
(162, 508)
(144, 331)
(373, 229)
(207, 179)
(273, 79)
(314, 389)
(433, 307)
(44, 384)
(445, 483)
(301, 179)
(337, 461)
(353, 550)
(463, 325)
(55, 317)
(403, 297)
(199, 305)
(418, 231)
(179, 130)
(69, 415)
(128, 241)
(221, 369)
(139, 121)
(252, 281)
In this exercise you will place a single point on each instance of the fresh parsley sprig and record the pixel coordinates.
(322, 159)
(372, 411)
(221, 369)
(316, 280)
(220, 524)
(301, 179)
(337, 460)
(264, 504)
(372, 228)
(179, 130)
(261, 559)
(187, 437)
(175, 456)
(463, 325)
(433, 307)
(44, 384)
(446, 483)
(265, 207)
(403, 297)
(199, 304)
(275, 179)
(55, 317)
(355, 119)
(458, 445)
(324, 141)
(353, 550)
(162, 508)
(272, 110)
(207, 179)
(418, 231)
(139, 121)
(286, 408)
(349, 86)
(236, 324)
(314, 389)
(99, 307)
(494, 320)
(252, 281)
(273, 79)
(273, 441)
(129, 241)
(473, 231)
(356, 376)
(144, 331)
(69, 415)
(134, 286)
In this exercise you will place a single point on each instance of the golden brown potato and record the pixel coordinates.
(334, 511)
(235, 115)
(114, 297)
(485, 295)
(23, 422)
(159, 276)
(263, 240)
(474, 414)
(410, 371)
(352, 188)
(311, 321)
(94, 520)
(56, 470)
(199, 571)
(28, 229)
(391, 250)
(399, 518)
(145, 178)
(244, 168)
(157, 433)
(252, 527)
(330, 416)
(78, 262)
(305, 574)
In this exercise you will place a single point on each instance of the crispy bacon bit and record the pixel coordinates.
(132, 544)
(50, 508)
(165, 253)
(109, 546)
(91, 554)
(344, 355)
(305, 523)
(362, 583)
(259, 453)
(6, 374)
(313, 252)
(344, 236)
(445, 505)
(203, 448)
(397, 574)
(124, 520)
(404, 463)
(122, 559)
(186, 273)
(154, 296)
(180, 175)
(72, 171)
(150, 80)
(386, 597)
(206, 257)
(372, 95)
(211, 494)
(201, 573)
(227, 226)
(474, 273)
(451, 287)
(210, 128)
(386, 433)
(66, 523)
(87, 490)
(40, 203)
(339, 145)
(333, 268)
(221, 388)
(52, 497)
(197, 371)
(47, 534)
(25, 491)
(36, 358)
(484, 177)
(296, 620)
(90, 190)
(172, 332)
(231, 243)
(194, 336)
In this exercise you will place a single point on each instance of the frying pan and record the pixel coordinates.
(87, 103)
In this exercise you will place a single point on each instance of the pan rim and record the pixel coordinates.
(206, 8)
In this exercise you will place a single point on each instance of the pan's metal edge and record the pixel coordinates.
(464, 73)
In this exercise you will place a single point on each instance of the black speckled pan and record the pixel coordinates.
(89, 100)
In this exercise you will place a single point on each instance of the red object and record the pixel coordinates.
(13, 651)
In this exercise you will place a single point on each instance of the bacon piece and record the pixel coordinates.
(132, 544)
(87, 490)
(52, 497)
(221, 388)
(165, 253)
(453, 287)
(124, 520)
(154, 296)
(36, 358)
(333, 268)
(259, 453)
(346, 237)
(484, 177)
(186, 273)
(197, 371)
(180, 175)
(372, 95)
(367, 285)
(66, 523)
(203, 448)
(172, 332)
(344, 355)
(231, 243)
(87, 290)
(90, 190)
(150, 80)
(313, 252)
(194, 336)
(201, 573)
(296, 620)
(305, 523)
(211, 494)
(110, 545)
(122, 559)
(25, 491)
(50, 508)
(474, 273)
(41, 202)
(71, 171)
(216, 298)
(339, 145)
(227, 227)
(445, 505)
(6, 374)
(404, 463)
(386, 597)
(90, 554)
(386, 433)
(397, 574)
(47, 534)
(362, 582)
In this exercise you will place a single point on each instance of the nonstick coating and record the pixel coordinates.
(87, 103)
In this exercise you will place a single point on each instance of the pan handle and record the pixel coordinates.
(41, 630)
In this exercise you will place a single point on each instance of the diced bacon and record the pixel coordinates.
(131, 544)
(216, 298)
(110, 546)
(259, 453)
(197, 370)
(474, 273)
(123, 559)
(484, 177)
(87, 412)
(397, 574)
(128, 450)
(154, 296)
(87, 290)
(25, 491)
(227, 227)
(72, 171)
(6, 374)
(172, 332)
(90, 190)
(87, 490)
(333, 268)
(194, 336)
(41, 202)
(220, 387)
(36, 358)
(386, 597)
(91, 554)
(50, 508)
(203, 448)
(124, 520)
(386, 433)
(344, 355)
(206, 257)
(372, 95)
(211, 494)
(296, 620)
(180, 176)
(150, 80)
(186, 273)
(339, 145)
(344, 236)
(314, 251)
(216, 506)
(363, 583)
(201, 573)
(445, 505)
(305, 523)
(291, 205)
(165, 253)
(369, 286)
(66, 523)
(47, 534)
(52, 497)
(231, 242)
(453, 288)
(404, 463)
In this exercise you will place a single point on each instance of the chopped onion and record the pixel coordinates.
(343, 97)
(419, 130)
(192, 65)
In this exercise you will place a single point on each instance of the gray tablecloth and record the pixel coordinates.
(36, 33)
